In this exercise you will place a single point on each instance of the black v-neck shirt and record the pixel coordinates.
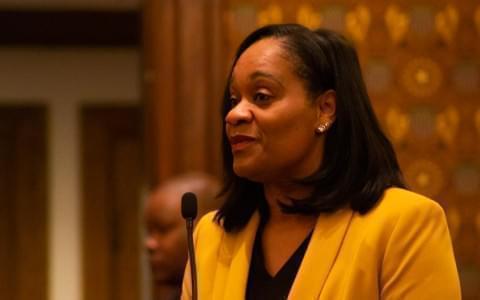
(261, 285)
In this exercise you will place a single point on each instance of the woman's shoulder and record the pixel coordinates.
(207, 223)
(417, 250)
(208, 234)
(212, 242)
(402, 200)
(399, 204)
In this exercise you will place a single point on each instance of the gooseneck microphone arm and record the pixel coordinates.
(191, 253)
(189, 213)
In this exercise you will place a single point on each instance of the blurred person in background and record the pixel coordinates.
(166, 240)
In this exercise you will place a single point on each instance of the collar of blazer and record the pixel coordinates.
(319, 258)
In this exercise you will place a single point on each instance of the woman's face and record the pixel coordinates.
(271, 126)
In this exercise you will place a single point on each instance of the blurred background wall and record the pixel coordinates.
(101, 99)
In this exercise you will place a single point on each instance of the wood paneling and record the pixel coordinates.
(23, 205)
(112, 178)
(183, 83)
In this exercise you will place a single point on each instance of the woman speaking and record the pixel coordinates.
(315, 204)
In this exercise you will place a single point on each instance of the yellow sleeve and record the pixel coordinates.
(419, 262)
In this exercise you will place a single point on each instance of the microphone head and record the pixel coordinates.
(189, 206)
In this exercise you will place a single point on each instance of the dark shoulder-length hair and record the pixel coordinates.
(359, 162)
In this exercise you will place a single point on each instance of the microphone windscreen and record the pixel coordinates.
(189, 205)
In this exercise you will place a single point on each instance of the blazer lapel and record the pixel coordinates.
(240, 264)
(320, 256)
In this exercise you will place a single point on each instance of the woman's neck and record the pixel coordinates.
(284, 193)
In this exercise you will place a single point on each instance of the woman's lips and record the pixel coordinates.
(240, 142)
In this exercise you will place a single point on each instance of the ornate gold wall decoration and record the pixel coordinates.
(378, 76)
(425, 177)
(466, 76)
(398, 124)
(454, 220)
(308, 17)
(333, 17)
(397, 23)
(422, 77)
(466, 179)
(272, 14)
(422, 120)
(357, 22)
(476, 18)
(446, 125)
(446, 23)
(422, 19)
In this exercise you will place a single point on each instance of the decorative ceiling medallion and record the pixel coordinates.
(378, 76)
(454, 220)
(466, 77)
(425, 177)
(422, 121)
(476, 18)
(398, 124)
(243, 18)
(446, 125)
(272, 14)
(422, 20)
(422, 77)
(397, 23)
(357, 22)
(333, 17)
(446, 23)
(466, 179)
(308, 17)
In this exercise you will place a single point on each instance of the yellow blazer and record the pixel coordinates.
(401, 249)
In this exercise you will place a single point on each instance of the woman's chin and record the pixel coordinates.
(254, 174)
(249, 172)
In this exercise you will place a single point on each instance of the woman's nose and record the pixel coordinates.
(240, 113)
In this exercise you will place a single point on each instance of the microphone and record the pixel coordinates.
(189, 213)
(189, 206)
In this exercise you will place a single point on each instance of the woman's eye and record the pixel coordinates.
(233, 101)
(261, 97)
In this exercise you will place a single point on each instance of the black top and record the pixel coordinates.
(261, 285)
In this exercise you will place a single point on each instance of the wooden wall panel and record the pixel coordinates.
(182, 83)
(23, 203)
(112, 181)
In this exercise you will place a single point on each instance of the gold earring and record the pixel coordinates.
(322, 128)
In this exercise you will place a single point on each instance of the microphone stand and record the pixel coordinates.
(191, 254)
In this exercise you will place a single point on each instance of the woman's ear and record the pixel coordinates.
(326, 108)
